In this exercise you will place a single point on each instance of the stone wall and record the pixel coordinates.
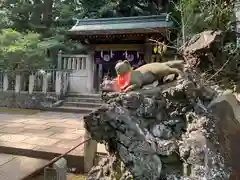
(28, 101)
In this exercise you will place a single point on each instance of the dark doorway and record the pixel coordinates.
(102, 70)
(109, 70)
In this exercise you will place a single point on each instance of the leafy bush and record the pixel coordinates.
(21, 50)
(200, 15)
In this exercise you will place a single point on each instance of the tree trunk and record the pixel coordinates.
(47, 12)
(36, 17)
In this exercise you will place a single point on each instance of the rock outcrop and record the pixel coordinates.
(166, 132)
(204, 49)
(214, 54)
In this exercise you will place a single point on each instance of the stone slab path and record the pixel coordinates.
(14, 167)
(44, 135)
(44, 131)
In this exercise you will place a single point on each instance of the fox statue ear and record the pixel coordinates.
(126, 61)
(128, 65)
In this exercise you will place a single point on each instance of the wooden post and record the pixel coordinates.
(65, 83)
(31, 83)
(58, 88)
(5, 82)
(69, 63)
(45, 83)
(90, 72)
(59, 65)
(100, 72)
(148, 52)
(18, 83)
(74, 63)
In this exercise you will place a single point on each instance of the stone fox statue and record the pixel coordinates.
(146, 74)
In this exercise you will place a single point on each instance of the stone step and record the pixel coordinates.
(84, 95)
(22, 166)
(74, 159)
(81, 104)
(81, 99)
(43, 154)
(71, 109)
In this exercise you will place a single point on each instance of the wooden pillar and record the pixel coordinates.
(59, 65)
(31, 83)
(96, 77)
(45, 83)
(74, 63)
(148, 52)
(65, 83)
(69, 63)
(99, 76)
(90, 71)
(58, 88)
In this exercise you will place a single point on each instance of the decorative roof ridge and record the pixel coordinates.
(162, 17)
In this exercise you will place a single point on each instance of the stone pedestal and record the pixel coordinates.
(161, 133)
(90, 150)
(57, 172)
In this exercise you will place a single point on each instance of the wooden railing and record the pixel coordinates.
(72, 61)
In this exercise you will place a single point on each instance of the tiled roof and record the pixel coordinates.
(121, 25)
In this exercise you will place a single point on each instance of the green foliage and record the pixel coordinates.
(200, 15)
(51, 19)
(5, 22)
(196, 16)
(119, 8)
(21, 50)
(18, 12)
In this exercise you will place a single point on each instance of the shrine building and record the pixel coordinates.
(108, 40)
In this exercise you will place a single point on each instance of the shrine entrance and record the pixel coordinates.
(106, 61)
(108, 70)
(114, 39)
